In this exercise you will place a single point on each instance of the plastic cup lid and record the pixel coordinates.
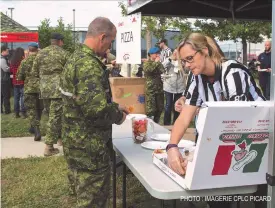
(138, 116)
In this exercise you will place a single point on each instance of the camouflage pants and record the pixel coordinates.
(154, 105)
(34, 108)
(47, 103)
(89, 167)
(54, 124)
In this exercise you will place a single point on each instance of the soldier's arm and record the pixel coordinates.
(35, 67)
(150, 66)
(20, 75)
(91, 96)
(35, 70)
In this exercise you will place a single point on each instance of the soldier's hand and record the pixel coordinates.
(179, 104)
(123, 119)
(124, 109)
(157, 59)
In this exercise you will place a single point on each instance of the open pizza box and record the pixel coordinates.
(231, 150)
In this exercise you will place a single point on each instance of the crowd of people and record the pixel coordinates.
(75, 90)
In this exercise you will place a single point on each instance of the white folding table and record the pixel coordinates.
(139, 161)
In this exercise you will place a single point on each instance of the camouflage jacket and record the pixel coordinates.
(47, 68)
(86, 94)
(31, 84)
(152, 71)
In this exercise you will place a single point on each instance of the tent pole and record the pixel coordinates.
(271, 152)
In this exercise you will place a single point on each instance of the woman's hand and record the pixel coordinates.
(179, 104)
(176, 161)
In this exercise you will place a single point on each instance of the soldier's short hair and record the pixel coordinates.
(99, 26)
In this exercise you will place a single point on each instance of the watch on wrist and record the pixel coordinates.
(169, 146)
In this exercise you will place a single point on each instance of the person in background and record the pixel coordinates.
(88, 115)
(208, 67)
(110, 62)
(264, 60)
(154, 94)
(18, 85)
(33, 104)
(166, 52)
(5, 81)
(174, 83)
(47, 68)
(26, 53)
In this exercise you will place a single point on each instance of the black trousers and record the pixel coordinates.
(264, 80)
(5, 97)
(170, 98)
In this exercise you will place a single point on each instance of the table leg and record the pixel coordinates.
(124, 186)
(114, 179)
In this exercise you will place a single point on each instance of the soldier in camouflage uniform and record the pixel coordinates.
(32, 102)
(48, 66)
(154, 94)
(88, 115)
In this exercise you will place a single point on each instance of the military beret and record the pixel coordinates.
(154, 50)
(33, 44)
(57, 36)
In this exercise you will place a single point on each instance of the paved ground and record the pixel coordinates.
(22, 147)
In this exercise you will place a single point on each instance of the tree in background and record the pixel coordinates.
(45, 31)
(246, 31)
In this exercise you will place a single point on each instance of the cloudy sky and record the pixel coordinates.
(30, 12)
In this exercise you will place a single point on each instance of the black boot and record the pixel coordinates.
(37, 134)
(24, 115)
(17, 115)
(31, 130)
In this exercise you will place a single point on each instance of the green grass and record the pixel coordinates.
(19, 127)
(42, 183)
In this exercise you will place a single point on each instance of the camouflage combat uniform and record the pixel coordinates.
(88, 115)
(31, 90)
(48, 66)
(154, 94)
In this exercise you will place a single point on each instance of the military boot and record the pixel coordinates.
(50, 150)
(24, 115)
(37, 134)
(31, 130)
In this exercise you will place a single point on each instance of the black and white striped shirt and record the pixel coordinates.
(164, 54)
(232, 82)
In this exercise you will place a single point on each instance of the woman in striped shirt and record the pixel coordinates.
(215, 79)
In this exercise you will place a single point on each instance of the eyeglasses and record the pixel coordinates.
(189, 59)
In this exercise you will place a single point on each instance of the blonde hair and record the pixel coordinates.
(199, 42)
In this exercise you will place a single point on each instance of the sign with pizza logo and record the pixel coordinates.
(128, 40)
(232, 146)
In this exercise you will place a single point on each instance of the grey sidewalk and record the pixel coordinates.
(22, 147)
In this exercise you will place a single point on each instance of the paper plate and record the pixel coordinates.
(152, 145)
(161, 137)
(186, 143)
